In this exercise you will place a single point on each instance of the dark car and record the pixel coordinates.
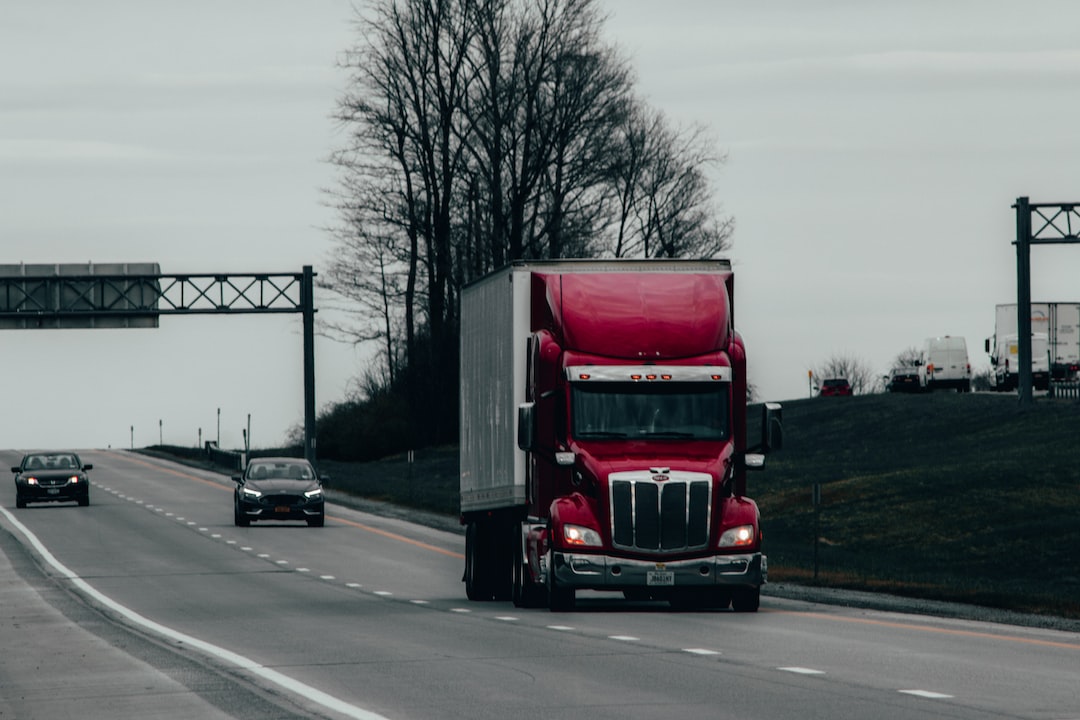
(279, 488)
(904, 378)
(835, 386)
(51, 477)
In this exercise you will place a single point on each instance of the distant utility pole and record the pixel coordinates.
(160, 434)
(219, 427)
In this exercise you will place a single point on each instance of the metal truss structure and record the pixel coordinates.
(136, 295)
(1036, 224)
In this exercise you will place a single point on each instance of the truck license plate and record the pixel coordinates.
(660, 577)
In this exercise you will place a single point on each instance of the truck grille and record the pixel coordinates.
(655, 516)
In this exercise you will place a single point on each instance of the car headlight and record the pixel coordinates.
(313, 493)
(31, 481)
(580, 536)
(74, 479)
(250, 492)
(741, 536)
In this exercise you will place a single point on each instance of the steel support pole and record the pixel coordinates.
(1023, 300)
(307, 301)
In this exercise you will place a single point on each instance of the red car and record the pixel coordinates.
(835, 386)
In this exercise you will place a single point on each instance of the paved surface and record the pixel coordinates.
(62, 659)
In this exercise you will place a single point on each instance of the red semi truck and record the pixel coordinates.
(604, 435)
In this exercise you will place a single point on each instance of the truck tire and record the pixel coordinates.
(560, 598)
(526, 593)
(746, 599)
(477, 573)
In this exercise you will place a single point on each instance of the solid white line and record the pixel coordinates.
(228, 656)
(700, 651)
(926, 694)
(802, 670)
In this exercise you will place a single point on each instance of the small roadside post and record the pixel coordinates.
(817, 525)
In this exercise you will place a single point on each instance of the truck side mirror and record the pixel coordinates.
(526, 430)
(772, 427)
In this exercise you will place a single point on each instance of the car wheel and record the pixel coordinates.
(84, 501)
(238, 517)
(19, 502)
(317, 521)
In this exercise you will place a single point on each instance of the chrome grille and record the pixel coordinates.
(660, 516)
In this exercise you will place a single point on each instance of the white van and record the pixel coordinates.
(944, 364)
(1006, 362)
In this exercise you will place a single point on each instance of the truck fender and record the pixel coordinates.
(574, 509)
(735, 511)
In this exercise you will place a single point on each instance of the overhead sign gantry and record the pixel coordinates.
(135, 295)
(1036, 224)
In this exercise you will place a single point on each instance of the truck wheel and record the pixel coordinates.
(526, 593)
(477, 578)
(560, 598)
(746, 599)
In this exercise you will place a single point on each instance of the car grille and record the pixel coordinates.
(669, 515)
(52, 482)
(282, 499)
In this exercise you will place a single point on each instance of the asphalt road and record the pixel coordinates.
(150, 603)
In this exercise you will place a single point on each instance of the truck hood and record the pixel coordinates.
(603, 458)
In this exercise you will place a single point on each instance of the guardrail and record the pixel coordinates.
(1065, 390)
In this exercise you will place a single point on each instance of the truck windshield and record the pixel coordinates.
(611, 410)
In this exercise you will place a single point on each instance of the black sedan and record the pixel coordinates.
(278, 488)
(51, 477)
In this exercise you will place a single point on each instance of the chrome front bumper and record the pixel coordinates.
(604, 572)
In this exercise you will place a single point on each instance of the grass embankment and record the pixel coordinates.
(942, 496)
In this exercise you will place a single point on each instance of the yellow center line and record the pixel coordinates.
(932, 629)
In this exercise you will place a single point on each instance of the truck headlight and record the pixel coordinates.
(580, 536)
(740, 536)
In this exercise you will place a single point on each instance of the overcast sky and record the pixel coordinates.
(874, 152)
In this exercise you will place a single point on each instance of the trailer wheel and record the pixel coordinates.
(746, 599)
(477, 575)
(560, 598)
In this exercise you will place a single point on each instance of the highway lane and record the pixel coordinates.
(371, 612)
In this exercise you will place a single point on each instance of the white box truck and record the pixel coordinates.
(1059, 322)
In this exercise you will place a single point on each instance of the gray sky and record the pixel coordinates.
(874, 151)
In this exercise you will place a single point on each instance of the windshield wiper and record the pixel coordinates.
(667, 434)
(600, 434)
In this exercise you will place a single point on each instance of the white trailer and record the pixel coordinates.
(1058, 321)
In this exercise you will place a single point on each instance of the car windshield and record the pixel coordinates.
(280, 470)
(611, 410)
(51, 461)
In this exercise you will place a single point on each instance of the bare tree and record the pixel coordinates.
(484, 131)
(907, 357)
(665, 204)
(843, 365)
